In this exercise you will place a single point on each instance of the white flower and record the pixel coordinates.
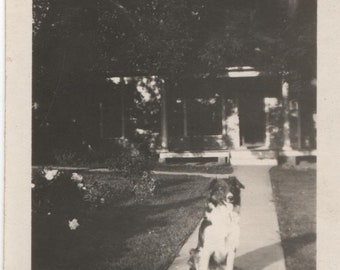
(152, 188)
(102, 200)
(76, 177)
(84, 188)
(80, 185)
(73, 224)
(134, 152)
(50, 174)
(49, 213)
(35, 106)
(33, 185)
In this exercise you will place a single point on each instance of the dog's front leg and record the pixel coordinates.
(203, 263)
(230, 260)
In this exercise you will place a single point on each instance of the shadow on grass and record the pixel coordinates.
(175, 182)
(265, 256)
(296, 243)
(102, 238)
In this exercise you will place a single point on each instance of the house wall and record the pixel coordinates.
(236, 122)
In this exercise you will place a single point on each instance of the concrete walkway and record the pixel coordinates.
(260, 247)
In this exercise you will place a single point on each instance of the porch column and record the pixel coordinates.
(233, 123)
(224, 115)
(286, 125)
(101, 120)
(269, 103)
(164, 120)
(299, 127)
(185, 117)
(123, 112)
(295, 112)
(267, 135)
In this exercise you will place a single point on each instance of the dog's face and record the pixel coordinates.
(226, 190)
(235, 190)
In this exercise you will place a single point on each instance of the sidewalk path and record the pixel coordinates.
(260, 247)
(210, 175)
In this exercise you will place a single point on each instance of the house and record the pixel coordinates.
(243, 113)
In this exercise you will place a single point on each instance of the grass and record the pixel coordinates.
(124, 234)
(295, 200)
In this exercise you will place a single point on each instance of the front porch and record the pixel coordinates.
(244, 113)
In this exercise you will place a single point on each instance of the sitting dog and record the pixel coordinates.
(219, 230)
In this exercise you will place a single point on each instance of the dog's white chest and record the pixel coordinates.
(225, 224)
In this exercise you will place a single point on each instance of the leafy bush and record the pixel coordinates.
(134, 163)
(128, 161)
(67, 195)
(67, 157)
(105, 192)
(143, 187)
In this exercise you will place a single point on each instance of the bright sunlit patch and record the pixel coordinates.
(141, 131)
(50, 174)
(76, 177)
(242, 74)
(35, 106)
(115, 80)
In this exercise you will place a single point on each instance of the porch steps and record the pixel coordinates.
(253, 157)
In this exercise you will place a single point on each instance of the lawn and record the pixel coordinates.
(295, 200)
(123, 234)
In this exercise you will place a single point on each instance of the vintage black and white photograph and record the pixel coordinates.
(173, 134)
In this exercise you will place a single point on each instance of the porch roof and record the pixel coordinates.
(229, 72)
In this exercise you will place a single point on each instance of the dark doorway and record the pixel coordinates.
(252, 118)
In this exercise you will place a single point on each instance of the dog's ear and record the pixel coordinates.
(239, 184)
(213, 183)
(234, 181)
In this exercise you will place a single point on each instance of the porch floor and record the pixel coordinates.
(242, 156)
(223, 156)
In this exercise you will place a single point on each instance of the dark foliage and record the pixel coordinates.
(78, 44)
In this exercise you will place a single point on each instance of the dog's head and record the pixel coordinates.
(226, 190)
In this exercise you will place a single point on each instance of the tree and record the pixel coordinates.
(173, 37)
(78, 43)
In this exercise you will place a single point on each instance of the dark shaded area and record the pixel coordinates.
(291, 245)
(109, 235)
(295, 200)
(265, 253)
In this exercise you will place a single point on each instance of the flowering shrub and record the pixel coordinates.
(69, 210)
(58, 194)
(67, 195)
